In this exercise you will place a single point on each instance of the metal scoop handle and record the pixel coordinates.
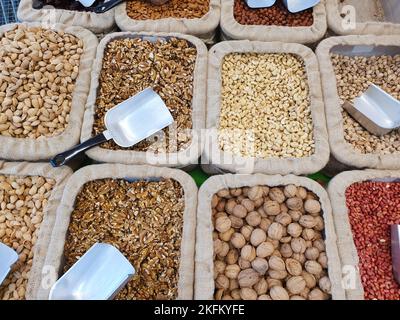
(101, 8)
(62, 158)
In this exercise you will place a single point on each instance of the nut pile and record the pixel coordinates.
(22, 202)
(276, 15)
(268, 244)
(370, 222)
(38, 69)
(143, 220)
(265, 106)
(189, 9)
(62, 4)
(132, 65)
(353, 76)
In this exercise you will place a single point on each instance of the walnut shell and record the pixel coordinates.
(276, 194)
(224, 193)
(232, 256)
(283, 218)
(312, 206)
(239, 211)
(294, 203)
(253, 218)
(295, 215)
(255, 193)
(274, 282)
(230, 204)
(276, 263)
(272, 208)
(235, 294)
(218, 294)
(219, 267)
(264, 224)
(257, 237)
(311, 282)
(312, 253)
(248, 278)
(238, 240)
(276, 274)
(233, 284)
(308, 234)
(294, 229)
(264, 297)
(232, 271)
(286, 250)
(244, 264)
(265, 249)
(246, 231)
(325, 284)
(278, 293)
(296, 284)
(261, 287)
(248, 294)
(319, 223)
(226, 236)
(222, 282)
(319, 244)
(290, 191)
(323, 260)
(260, 265)
(316, 294)
(313, 267)
(307, 221)
(236, 222)
(293, 267)
(248, 204)
(298, 245)
(275, 231)
(302, 193)
(248, 253)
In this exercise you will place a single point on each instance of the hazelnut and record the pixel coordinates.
(248, 294)
(298, 245)
(255, 193)
(283, 218)
(265, 249)
(260, 265)
(308, 234)
(325, 284)
(316, 294)
(312, 253)
(235, 294)
(275, 231)
(294, 203)
(243, 263)
(261, 287)
(323, 260)
(222, 282)
(248, 204)
(296, 284)
(293, 267)
(278, 293)
(290, 191)
(248, 278)
(232, 256)
(232, 271)
(301, 193)
(311, 282)
(246, 232)
(253, 218)
(277, 195)
(238, 240)
(313, 267)
(307, 221)
(257, 237)
(231, 203)
(236, 222)
(226, 236)
(239, 211)
(272, 208)
(276, 263)
(264, 224)
(286, 250)
(248, 253)
(294, 229)
(312, 206)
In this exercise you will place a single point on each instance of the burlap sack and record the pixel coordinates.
(347, 249)
(94, 172)
(234, 30)
(204, 265)
(46, 147)
(89, 20)
(203, 28)
(364, 10)
(301, 166)
(60, 175)
(182, 158)
(342, 150)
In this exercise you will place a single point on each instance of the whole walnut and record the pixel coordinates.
(294, 229)
(286, 239)
(264, 224)
(232, 256)
(313, 267)
(214, 201)
(296, 297)
(305, 293)
(294, 203)
(278, 293)
(224, 193)
(311, 282)
(319, 223)
(219, 267)
(233, 284)
(258, 203)
(255, 193)
(248, 204)
(276, 263)
(308, 234)
(227, 297)
(286, 250)
(221, 205)
(238, 240)
(293, 267)
(235, 192)
(295, 215)
(218, 246)
(248, 253)
(296, 284)
(239, 211)
(272, 208)
(319, 244)
(323, 260)
(248, 294)
(244, 264)
(312, 253)
(317, 294)
(222, 282)
(276, 194)
(248, 278)
(253, 218)
(325, 284)
(312, 206)
(246, 231)
(260, 265)
(301, 193)
(273, 282)
(232, 271)
(265, 249)
(224, 249)
(264, 297)
(290, 191)
(227, 235)
(283, 218)
(230, 204)
(298, 245)
(257, 237)
(277, 274)
(275, 231)
(236, 222)
(218, 294)
(235, 294)
(299, 257)
(307, 221)
(261, 287)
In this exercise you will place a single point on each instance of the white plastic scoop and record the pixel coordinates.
(256, 4)
(98, 275)
(299, 5)
(7, 258)
(127, 123)
(376, 110)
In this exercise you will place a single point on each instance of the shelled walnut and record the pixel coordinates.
(285, 260)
